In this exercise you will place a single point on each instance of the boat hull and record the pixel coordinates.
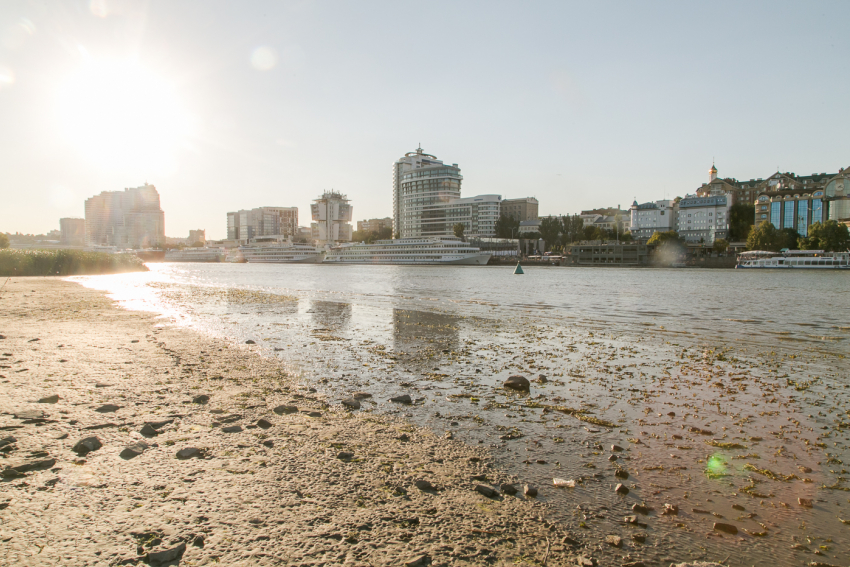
(447, 260)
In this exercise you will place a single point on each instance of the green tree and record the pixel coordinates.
(370, 236)
(593, 233)
(787, 238)
(830, 236)
(741, 217)
(658, 238)
(763, 237)
(550, 228)
(721, 245)
(4, 241)
(507, 227)
(458, 230)
(572, 228)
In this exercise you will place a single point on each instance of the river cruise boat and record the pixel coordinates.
(195, 255)
(424, 251)
(282, 253)
(795, 259)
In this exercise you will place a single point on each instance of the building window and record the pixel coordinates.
(775, 209)
(817, 210)
(788, 221)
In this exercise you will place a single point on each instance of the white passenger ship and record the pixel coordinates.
(442, 250)
(195, 255)
(282, 253)
(795, 259)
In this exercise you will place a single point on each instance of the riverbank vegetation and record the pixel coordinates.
(830, 236)
(66, 263)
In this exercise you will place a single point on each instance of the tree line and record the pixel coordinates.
(558, 231)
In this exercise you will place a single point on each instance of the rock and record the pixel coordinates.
(541, 378)
(519, 383)
(202, 399)
(616, 448)
(405, 399)
(148, 430)
(613, 540)
(36, 465)
(264, 424)
(49, 399)
(31, 415)
(87, 445)
(188, 453)
(586, 562)
(107, 408)
(728, 528)
(739, 507)
(285, 410)
(351, 403)
(568, 540)
(529, 491)
(640, 538)
(404, 437)
(7, 441)
(312, 413)
(198, 540)
(613, 458)
(805, 502)
(621, 473)
(9, 472)
(485, 490)
(133, 450)
(641, 509)
(424, 485)
(345, 456)
(698, 564)
(621, 489)
(634, 564)
(361, 395)
(508, 489)
(231, 429)
(268, 443)
(157, 558)
(250, 342)
(418, 561)
(670, 510)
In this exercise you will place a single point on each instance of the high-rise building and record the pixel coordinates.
(72, 232)
(520, 209)
(196, 236)
(332, 215)
(262, 221)
(421, 181)
(127, 219)
(478, 215)
(374, 225)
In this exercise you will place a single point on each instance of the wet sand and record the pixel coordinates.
(320, 486)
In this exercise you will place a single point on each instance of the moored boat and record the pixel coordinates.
(424, 251)
(195, 255)
(281, 253)
(794, 259)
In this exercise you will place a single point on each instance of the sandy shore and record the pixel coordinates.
(320, 486)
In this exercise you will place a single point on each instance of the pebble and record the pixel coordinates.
(188, 453)
(530, 491)
(133, 450)
(728, 528)
(361, 395)
(485, 490)
(508, 489)
(345, 456)
(250, 342)
(157, 558)
(613, 540)
(231, 429)
(285, 410)
(202, 399)
(805, 502)
(148, 430)
(641, 509)
(616, 448)
(405, 399)
(49, 399)
(87, 445)
(424, 485)
(264, 424)
(351, 403)
(107, 408)
(519, 383)
(418, 561)
(621, 489)
(670, 510)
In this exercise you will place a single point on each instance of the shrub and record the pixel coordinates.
(66, 263)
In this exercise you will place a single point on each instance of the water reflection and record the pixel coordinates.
(330, 314)
(421, 338)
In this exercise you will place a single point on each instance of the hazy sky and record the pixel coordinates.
(229, 105)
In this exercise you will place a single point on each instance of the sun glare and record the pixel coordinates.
(119, 115)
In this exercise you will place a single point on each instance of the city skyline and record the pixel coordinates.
(252, 106)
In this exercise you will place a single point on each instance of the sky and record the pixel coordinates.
(232, 105)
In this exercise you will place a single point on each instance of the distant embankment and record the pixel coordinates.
(66, 263)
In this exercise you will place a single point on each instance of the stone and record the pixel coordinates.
(568, 540)
(285, 410)
(250, 342)
(616, 448)
(542, 378)
(133, 450)
(87, 445)
(621, 473)
(424, 485)
(148, 430)
(621, 489)
(670, 510)
(509, 489)
(485, 490)
(35, 465)
(49, 399)
(345, 456)
(613, 458)
(351, 403)
(107, 408)
(698, 564)
(157, 558)
(188, 453)
(31, 415)
(728, 528)
(268, 443)
(634, 564)
(264, 424)
(529, 491)
(641, 509)
(7, 441)
(418, 561)
(231, 429)
(198, 540)
(739, 507)
(312, 413)
(202, 399)
(361, 395)
(805, 502)
(519, 383)
(405, 399)
(9, 472)
(586, 562)
(615, 541)
(640, 538)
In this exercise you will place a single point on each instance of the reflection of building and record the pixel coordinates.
(72, 232)
(374, 225)
(262, 221)
(196, 236)
(130, 218)
(419, 337)
(330, 315)
(520, 209)
(703, 219)
(420, 180)
(332, 215)
(648, 218)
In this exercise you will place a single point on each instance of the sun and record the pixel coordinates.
(119, 115)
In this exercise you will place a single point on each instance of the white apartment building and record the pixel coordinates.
(246, 224)
(478, 215)
(125, 219)
(332, 214)
(702, 220)
(421, 181)
(648, 218)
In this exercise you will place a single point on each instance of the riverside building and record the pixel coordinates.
(420, 182)
(332, 217)
(646, 219)
(246, 224)
(787, 200)
(125, 219)
(478, 215)
(520, 209)
(703, 220)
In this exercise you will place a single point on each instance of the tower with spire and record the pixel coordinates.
(712, 173)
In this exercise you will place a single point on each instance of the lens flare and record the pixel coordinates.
(715, 466)
(7, 78)
(263, 58)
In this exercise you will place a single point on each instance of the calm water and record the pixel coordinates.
(723, 387)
